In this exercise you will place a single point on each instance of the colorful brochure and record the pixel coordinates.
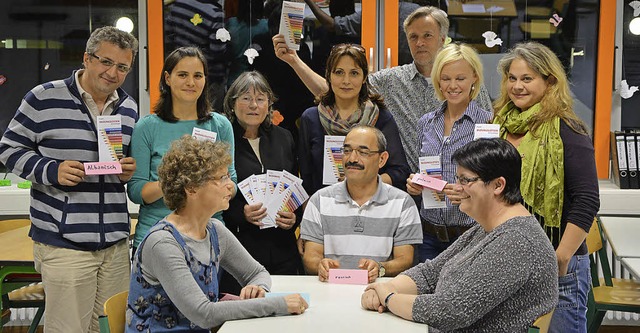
(291, 23)
(332, 168)
(430, 166)
(486, 131)
(109, 147)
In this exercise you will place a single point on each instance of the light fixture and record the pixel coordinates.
(125, 24)
(634, 26)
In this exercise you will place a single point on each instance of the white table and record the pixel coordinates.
(622, 234)
(333, 308)
(633, 265)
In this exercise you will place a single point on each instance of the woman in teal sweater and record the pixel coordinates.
(183, 106)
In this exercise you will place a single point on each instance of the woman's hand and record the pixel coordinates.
(282, 51)
(454, 193)
(285, 220)
(413, 189)
(251, 291)
(382, 291)
(370, 301)
(296, 304)
(255, 213)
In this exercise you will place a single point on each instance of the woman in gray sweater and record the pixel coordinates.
(499, 276)
(174, 285)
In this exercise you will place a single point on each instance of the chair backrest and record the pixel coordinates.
(594, 239)
(543, 322)
(7, 225)
(115, 308)
(598, 254)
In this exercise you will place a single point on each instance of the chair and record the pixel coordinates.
(31, 296)
(541, 325)
(114, 309)
(607, 293)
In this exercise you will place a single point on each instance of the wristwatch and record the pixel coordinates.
(381, 270)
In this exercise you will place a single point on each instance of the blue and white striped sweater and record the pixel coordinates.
(52, 125)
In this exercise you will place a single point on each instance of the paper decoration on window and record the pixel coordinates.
(636, 7)
(276, 117)
(3, 79)
(494, 9)
(223, 35)
(196, 19)
(46, 66)
(555, 20)
(490, 39)
(251, 54)
(626, 91)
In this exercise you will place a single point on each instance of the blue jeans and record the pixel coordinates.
(431, 247)
(571, 313)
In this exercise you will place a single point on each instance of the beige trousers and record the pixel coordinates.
(77, 283)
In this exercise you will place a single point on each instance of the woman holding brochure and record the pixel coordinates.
(183, 106)
(174, 285)
(457, 76)
(260, 147)
(559, 180)
(348, 102)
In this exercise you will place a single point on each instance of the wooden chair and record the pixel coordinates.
(31, 296)
(115, 313)
(607, 293)
(541, 325)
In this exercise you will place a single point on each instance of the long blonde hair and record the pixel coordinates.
(556, 100)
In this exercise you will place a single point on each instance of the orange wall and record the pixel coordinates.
(155, 32)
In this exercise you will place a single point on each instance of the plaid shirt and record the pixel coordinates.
(433, 143)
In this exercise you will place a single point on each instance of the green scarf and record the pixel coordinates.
(542, 183)
(330, 119)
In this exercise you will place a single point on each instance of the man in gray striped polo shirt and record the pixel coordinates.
(361, 222)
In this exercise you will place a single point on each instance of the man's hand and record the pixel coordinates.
(251, 291)
(128, 168)
(295, 304)
(255, 213)
(371, 266)
(413, 189)
(70, 173)
(370, 301)
(285, 220)
(324, 266)
(283, 52)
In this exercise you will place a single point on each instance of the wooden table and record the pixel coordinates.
(332, 308)
(633, 265)
(622, 233)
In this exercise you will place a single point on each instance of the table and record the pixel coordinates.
(633, 265)
(622, 234)
(504, 16)
(333, 308)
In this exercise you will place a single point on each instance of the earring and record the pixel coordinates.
(473, 88)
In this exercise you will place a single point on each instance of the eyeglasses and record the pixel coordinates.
(246, 100)
(466, 181)
(362, 152)
(346, 46)
(222, 179)
(107, 63)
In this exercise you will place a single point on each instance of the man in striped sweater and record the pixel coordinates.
(79, 223)
(361, 223)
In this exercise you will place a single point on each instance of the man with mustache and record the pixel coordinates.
(79, 222)
(361, 223)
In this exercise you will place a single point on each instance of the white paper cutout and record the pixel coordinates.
(626, 91)
(3, 79)
(494, 9)
(636, 7)
(251, 54)
(490, 39)
(555, 20)
(223, 35)
(46, 66)
(196, 19)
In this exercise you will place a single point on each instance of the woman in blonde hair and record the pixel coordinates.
(559, 181)
(457, 76)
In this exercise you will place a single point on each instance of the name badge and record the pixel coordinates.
(486, 131)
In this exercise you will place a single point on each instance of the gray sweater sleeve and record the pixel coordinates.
(164, 263)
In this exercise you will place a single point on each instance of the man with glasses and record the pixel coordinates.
(79, 222)
(361, 223)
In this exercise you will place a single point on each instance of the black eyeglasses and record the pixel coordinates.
(363, 152)
(346, 46)
(107, 63)
(466, 181)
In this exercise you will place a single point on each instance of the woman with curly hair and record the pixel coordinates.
(194, 176)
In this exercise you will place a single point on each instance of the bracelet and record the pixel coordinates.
(386, 299)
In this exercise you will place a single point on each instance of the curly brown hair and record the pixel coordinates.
(189, 164)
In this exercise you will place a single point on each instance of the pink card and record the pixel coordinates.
(349, 276)
(102, 168)
(429, 182)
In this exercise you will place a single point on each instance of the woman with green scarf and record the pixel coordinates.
(559, 181)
